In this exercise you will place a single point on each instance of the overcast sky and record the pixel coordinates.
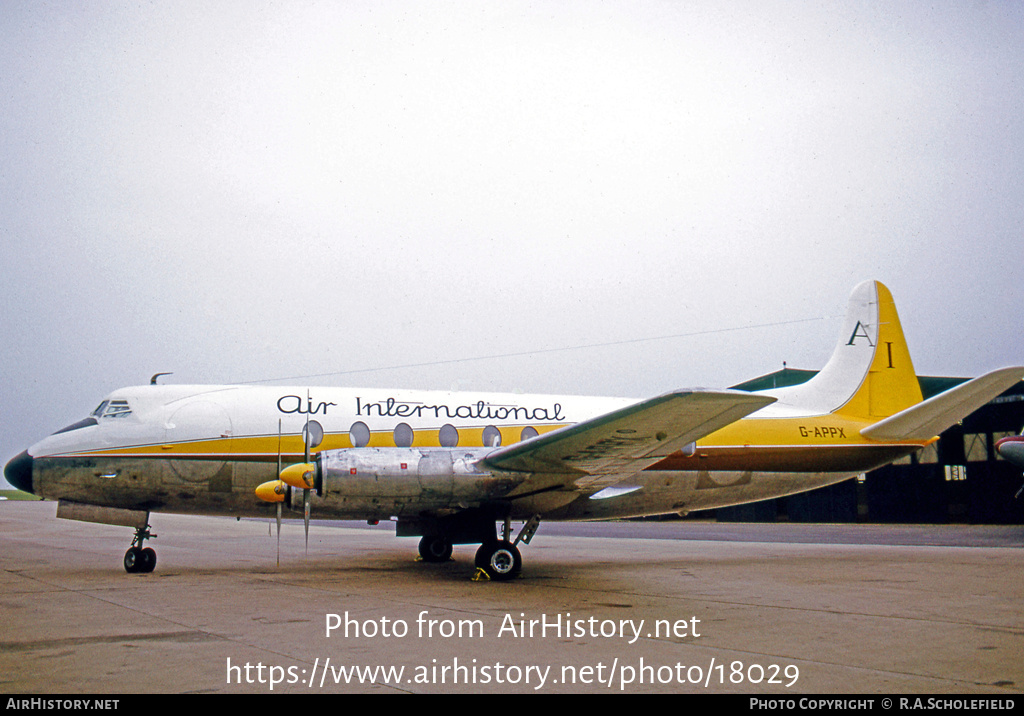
(241, 191)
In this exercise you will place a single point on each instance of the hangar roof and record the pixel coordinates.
(930, 385)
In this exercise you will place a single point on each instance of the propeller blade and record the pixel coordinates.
(305, 434)
(305, 509)
(279, 504)
(306, 440)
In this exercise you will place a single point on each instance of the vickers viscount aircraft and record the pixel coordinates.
(1012, 448)
(459, 468)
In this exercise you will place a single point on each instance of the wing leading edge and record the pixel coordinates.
(604, 450)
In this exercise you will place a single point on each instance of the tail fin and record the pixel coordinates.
(870, 374)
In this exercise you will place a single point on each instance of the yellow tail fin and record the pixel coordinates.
(870, 374)
(891, 384)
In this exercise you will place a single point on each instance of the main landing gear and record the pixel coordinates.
(498, 559)
(435, 549)
(137, 559)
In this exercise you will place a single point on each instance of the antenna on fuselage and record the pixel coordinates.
(152, 381)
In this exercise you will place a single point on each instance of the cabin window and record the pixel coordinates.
(359, 434)
(313, 434)
(528, 433)
(403, 435)
(492, 436)
(448, 436)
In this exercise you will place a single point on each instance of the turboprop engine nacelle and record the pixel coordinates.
(439, 475)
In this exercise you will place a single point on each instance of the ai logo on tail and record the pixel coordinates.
(860, 331)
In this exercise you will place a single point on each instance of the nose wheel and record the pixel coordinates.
(139, 559)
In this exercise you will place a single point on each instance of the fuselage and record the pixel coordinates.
(205, 449)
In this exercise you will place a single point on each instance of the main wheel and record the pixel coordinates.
(138, 560)
(148, 560)
(501, 560)
(133, 560)
(435, 549)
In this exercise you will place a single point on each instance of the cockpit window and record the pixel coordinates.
(112, 409)
(117, 409)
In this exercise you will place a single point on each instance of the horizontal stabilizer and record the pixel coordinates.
(926, 420)
(612, 446)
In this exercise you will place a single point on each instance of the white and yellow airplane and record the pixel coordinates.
(450, 467)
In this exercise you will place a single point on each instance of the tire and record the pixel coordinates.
(501, 560)
(133, 560)
(435, 549)
(148, 560)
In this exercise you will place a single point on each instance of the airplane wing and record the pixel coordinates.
(595, 453)
(926, 420)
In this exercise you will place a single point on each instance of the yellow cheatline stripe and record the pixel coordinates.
(815, 431)
(268, 445)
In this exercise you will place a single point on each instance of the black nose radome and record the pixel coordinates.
(18, 472)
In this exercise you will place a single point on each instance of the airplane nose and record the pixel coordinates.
(18, 472)
(1012, 449)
